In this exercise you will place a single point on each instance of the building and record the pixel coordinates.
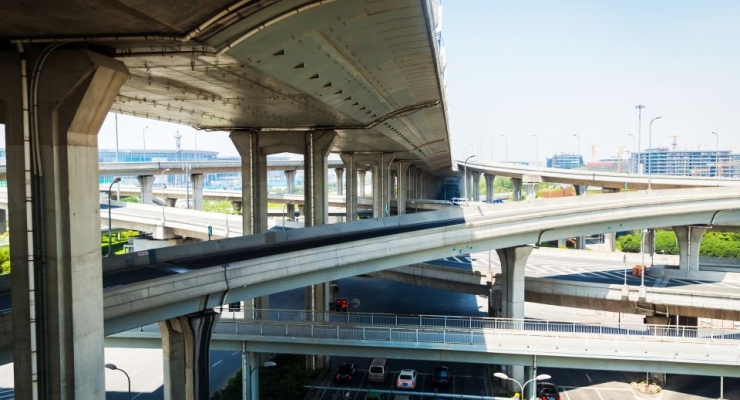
(664, 161)
(566, 161)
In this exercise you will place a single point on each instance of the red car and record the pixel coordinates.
(441, 376)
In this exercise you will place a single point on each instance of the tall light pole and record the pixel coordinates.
(110, 225)
(164, 200)
(506, 144)
(492, 157)
(633, 149)
(465, 173)
(650, 146)
(536, 150)
(481, 148)
(716, 157)
(143, 138)
(639, 108)
(114, 368)
(578, 153)
(542, 377)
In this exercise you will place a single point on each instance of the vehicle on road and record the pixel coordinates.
(441, 376)
(547, 391)
(372, 396)
(406, 379)
(376, 372)
(345, 372)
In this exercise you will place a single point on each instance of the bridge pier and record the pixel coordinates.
(516, 185)
(196, 180)
(56, 288)
(185, 347)
(361, 180)
(290, 180)
(403, 186)
(350, 197)
(339, 172)
(689, 242)
(146, 183)
(475, 188)
(489, 187)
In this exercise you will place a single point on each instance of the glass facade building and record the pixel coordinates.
(664, 161)
(565, 161)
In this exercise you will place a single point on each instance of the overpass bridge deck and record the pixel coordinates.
(553, 343)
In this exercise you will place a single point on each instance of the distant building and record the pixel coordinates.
(609, 165)
(664, 161)
(566, 161)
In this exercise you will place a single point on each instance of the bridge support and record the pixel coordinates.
(361, 181)
(290, 180)
(185, 346)
(351, 194)
(196, 180)
(146, 182)
(489, 187)
(516, 185)
(339, 172)
(475, 189)
(3, 221)
(689, 242)
(580, 240)
(513, 263)
(56, 288)
(402, 189)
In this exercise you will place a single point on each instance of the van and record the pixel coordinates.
(376, 373)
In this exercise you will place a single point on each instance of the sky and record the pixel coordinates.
(559, 68)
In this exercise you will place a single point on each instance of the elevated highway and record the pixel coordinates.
(608, 180)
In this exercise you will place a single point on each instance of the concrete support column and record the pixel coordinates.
(689, 243)
(56, 292)
(290, 180)
(530, 191)
(351, 200)
(254, 181)
(185, 347)
(382, 184)
(361, 182)
(402, 180)
(476, 185)
(516, 185)
(316, 192)
(237, 206)
(146, 183)
(250, 375)
(3, 221)
(580, 240)
(610, 240)
(339, 172)
(580, 189)
(196, 181)
(489, 187)
(513, 263)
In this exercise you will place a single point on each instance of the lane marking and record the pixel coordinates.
(218, 362)
(589, 378)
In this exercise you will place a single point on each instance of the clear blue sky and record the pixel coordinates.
(554, 68)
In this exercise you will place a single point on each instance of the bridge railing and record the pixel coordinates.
(475, 323)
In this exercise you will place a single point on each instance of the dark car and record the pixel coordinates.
(547, 391)
(441, 376)
(345, 373)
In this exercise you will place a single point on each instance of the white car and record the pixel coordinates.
(406, 379)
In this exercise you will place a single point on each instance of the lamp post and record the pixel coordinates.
(633, 148)
(465, 173)
(250, 388)
(143, 138)
(650, 146)
(639, 108)
(164, 200)
(110, 226)
(481, 147)
(716, 157)
(542, 377)
(506, 147)
(536, 150)
(114, 368)
(578, 152)
(492, 157)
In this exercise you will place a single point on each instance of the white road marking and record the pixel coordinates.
(589, 378)
(218, 362)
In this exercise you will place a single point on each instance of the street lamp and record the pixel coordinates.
(506, 144)
(542, 377)
(110, 226)
(536, 150)
(143, 137)
(492, 157)
(639, 108)
(716, 157)
(465, 173)
(650, 146)
(633, 148)
(114, 368)
(481, 147)
(579, 144)
(247, 383)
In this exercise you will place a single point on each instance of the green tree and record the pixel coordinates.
(4, 260)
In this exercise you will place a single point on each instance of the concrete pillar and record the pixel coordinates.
(381, 184)
(516, 185)
(146, 183)
(254, 181)
(196, 181)
(290, 211)
(58, 322)
(610, 241)
(339, 172)
(476, 185)
(580, 189)
(513, 263)
(489, 187)
(185, 348)
(402, 180)
(689, 243)
(351, 195)
(290, 180)
(316, 163)
(580, 240)
(250, 375)
(530, 190)
(3, 221)
(361, 182)
(237, 206)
